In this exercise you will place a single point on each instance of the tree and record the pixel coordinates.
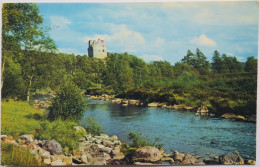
(251, 65)
(217, 63)
(23, 33)
(69, 103)
(198, 61)
(230, 64)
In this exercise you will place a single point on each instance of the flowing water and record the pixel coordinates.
(178, 130)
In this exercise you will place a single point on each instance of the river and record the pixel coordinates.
(178, 130)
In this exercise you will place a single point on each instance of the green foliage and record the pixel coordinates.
(251, 65)
(69, 103)
(139, 141)
(13, 155)
(19, 118)
(62, 131)
(92, 126)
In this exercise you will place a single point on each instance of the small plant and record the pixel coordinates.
(139, 141)
(62, 131)
(13, 155)
(92, 126)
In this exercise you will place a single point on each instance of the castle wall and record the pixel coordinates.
(97, 49)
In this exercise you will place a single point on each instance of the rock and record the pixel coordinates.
(142, 163)
(98, 141)
(250, 162)
(213, 142)
(177, 156)
(119, 156)
(98, 161)
(152, 104)
(116, 150)
(57, 162)
(46, 155)
(53, 147)
(133, 102)
(189, 159)
(202, 109)
(105, 136)
(113, 138)
(47, 161)
(211, 161)
(229, 116)
(26, 139)
(167, 159)
(107, 143)
(180, 106)
(240, 117)
(148, 153)
(100, 146)
(3, 138)
(67, 160)
(107, 150)
(231, 158)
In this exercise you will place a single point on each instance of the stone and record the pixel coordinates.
(80, 129)
(98, 161)
(240, 117)
(67, 160)
(202, 109)
(113, 138)
(211, 161)
(119, 156)
(189, 159)
(231, 158)
(148, 153)
(167, 159)
(53, 147)
(229, 116)
(107, 143)
(104, 135)
(100, 146)
(213, 142)
(46, 155)
(57, 162)
(177, 156)
(143, 163)
(3, 138)
(152, 104)
(98, 141)
(250, 162)
(47, 161)
(107, 150)
(116, 150)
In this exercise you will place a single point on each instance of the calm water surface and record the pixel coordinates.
(182, 131)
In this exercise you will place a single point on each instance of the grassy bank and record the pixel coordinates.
(18, 117)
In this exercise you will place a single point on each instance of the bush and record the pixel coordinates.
(140, 141)
(62, 131)
(92, 126)
(68, 104)
(13, 155)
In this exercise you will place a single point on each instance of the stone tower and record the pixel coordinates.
(97, 49)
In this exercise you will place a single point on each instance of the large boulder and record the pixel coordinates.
(26, 139)
(53, 147)
(149, 154)
(177, 156)
(231, 158)
(189, 159)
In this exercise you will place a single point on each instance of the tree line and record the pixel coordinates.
(30, 62)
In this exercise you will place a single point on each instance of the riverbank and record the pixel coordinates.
(199, 111)
(108, 150)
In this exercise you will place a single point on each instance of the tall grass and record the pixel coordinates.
(19, 117)
(13, 155)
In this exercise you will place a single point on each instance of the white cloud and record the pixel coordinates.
(124, 39)
(59, 21)
(149, 58)
(203, 40)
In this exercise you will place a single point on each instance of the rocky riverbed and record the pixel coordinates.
(109, 150)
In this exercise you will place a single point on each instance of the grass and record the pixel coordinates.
(19, 118)
(13, 155)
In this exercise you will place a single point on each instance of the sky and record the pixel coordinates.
(156, 31)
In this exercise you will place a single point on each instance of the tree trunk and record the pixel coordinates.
(29, 89)
(2, 73)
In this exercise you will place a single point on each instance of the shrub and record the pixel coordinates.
(62, 131)
(139, 141)
(92, 126)
(68, 104)
(13, 155)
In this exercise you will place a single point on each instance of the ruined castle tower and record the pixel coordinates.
(97, 49)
